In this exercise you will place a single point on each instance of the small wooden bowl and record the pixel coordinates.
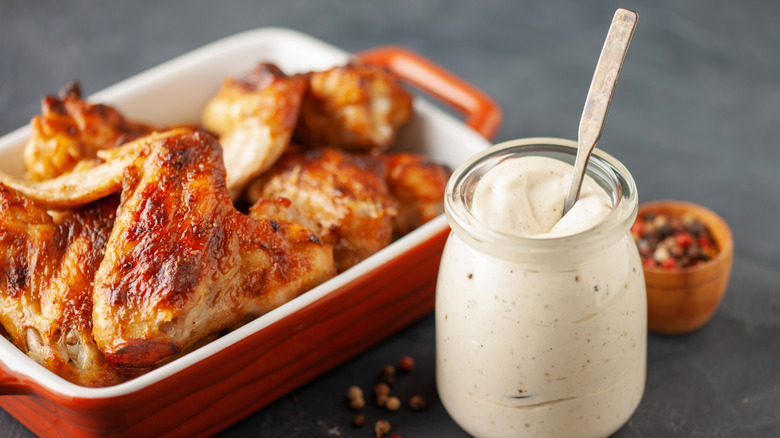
(683, 300)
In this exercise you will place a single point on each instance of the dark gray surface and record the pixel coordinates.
(695, 117)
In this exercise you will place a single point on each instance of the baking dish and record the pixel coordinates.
(239, 373)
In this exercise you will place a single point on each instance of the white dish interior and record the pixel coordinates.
(176, 92)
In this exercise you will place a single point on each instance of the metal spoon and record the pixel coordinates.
(599, 96)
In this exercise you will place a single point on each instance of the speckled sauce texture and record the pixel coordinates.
(544, 352)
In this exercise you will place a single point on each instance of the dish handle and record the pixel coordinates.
(482, 113)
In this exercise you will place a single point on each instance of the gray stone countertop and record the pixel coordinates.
(695, 117)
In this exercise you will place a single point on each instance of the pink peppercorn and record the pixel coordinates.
(406, 364)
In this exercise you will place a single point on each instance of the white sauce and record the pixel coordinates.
(524, 197)
(544, 349)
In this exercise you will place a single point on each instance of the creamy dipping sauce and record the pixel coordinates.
(547, 345)
(524, 197)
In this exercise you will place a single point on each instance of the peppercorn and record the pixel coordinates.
(672, 242)
(381, 428)
(693, 251)
(684, 239)
(636, 229)
(417, 403)
(387, 370)
(381, 388)
(359, 420)
(661, 254)
(357, 403)
(354, 392)
(644, 246)
(386, 374)
(406, 364)
(381, 400)
(393, 404)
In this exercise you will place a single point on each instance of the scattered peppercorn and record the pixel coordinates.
(355, 397)
(388, 370)
(357, 403)
(381, 388)
(386, 374)
(393, 404)
(354, 392)
(406, 364)
(381, 428)
(417, 403)
(672, 242)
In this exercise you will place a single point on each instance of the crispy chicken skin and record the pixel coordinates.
(182, 262)
(355, 107)
(358, 203)
(344, 194)
(88, 183)
(46, 277)
(254, 117)
(69, 132)
(280, 209)
(417, 185)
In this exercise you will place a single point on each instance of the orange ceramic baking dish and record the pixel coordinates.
(226, 380)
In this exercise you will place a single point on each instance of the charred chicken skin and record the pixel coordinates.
(354, 107)
(69, 133)
(182, 262)
(343, 194)
(46, 277)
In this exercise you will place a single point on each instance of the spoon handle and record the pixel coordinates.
(602, 87)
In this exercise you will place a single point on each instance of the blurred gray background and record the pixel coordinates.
(694, 117)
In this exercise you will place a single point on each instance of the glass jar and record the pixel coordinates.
(543, 337)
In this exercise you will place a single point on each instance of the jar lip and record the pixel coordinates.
(621, 217)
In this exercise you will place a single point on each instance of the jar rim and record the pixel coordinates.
(606, 169)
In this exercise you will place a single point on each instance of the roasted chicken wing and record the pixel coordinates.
(344, 194)
(355, 107)
(46, 278)
(254, 117)
(69, 133)
(417, 185)
(182, 262)
(358, 203)
(88, 183)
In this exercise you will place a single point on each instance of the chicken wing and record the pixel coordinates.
(182, 263)
(254, 117)
(355, 107)
(88, 183)
(417, 185)
(46, 278)
(344, 194)
(358, 203)
(70, 132)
